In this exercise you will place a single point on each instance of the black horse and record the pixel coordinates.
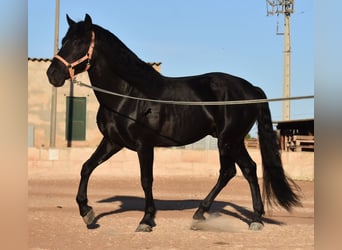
(141, 125)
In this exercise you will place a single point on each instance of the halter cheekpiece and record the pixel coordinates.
(87, 57)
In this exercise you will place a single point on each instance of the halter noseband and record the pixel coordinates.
(87, 56)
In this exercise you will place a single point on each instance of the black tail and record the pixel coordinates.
(277, 187)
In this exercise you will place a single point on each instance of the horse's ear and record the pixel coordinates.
(88, 21)
(70, 21)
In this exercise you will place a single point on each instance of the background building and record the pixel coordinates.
(85, 106)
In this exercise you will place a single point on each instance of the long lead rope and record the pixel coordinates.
(194, 103)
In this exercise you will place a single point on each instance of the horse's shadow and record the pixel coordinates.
(134, 203)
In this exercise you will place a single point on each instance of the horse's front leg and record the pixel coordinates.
(103, 152)
(145, 154)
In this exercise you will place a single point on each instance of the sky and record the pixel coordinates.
(197, 36)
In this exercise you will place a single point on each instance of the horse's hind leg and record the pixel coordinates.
(227, 172)
(146, 154)
(103, 152)
(248, 168)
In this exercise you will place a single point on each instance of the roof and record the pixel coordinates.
(33, 59)
(39, 59)
(294, 121)
(296, 124)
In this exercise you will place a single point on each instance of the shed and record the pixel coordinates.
(296, 135)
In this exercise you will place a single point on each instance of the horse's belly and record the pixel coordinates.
(187, 127)
(158, 126)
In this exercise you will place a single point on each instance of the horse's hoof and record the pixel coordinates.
(89, 217)
(144, 228)
(256, 226)
(198, 215)
(196, 225)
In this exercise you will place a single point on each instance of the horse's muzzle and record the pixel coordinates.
(55, 76)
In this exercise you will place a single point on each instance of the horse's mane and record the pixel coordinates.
(124, 61)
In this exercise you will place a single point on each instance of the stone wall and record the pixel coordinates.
(168, 161)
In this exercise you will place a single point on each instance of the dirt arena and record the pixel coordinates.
(54, 222)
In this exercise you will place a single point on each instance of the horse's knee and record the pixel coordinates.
(227, 173)
(87, 168)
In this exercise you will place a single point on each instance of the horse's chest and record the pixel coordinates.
(127, 126)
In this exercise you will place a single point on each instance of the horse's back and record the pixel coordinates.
(215, 86)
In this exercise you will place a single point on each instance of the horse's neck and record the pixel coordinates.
(119, 65)
(109, 82)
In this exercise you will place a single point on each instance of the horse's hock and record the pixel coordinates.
(168, 162)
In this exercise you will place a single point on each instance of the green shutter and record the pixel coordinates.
(75, 128)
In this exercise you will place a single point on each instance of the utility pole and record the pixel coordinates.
(284, 7)
(54, 89)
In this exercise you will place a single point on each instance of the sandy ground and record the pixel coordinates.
(54, 222)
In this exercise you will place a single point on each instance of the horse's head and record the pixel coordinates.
(76, 52)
